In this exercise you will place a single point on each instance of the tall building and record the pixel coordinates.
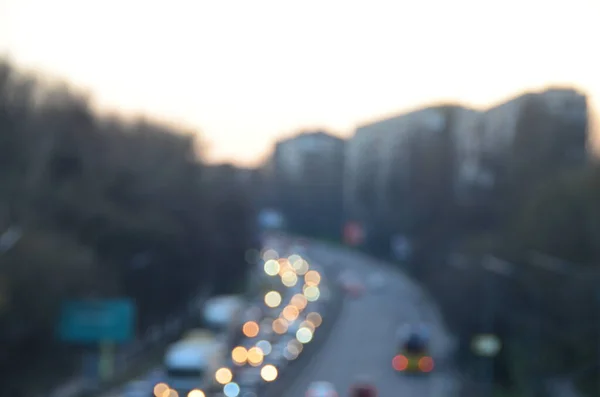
(307, 175)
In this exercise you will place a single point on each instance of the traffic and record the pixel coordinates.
(245, 343)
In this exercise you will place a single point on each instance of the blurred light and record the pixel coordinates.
(161, 390)
(290, 355)
(292, 350)
(231, 389)
(299, 301)
(239, 355)
(289, 278)
(265, 346)
(271, 267)
(292, 259)
(312, 293)
(223, 375)
(309, 325)
(304, 335)
(312, 277)
(426, 364)
(399, 363)
(268, 373)
(250, 329)
(314, 318)
(196, 393)
(290, 313)
(300, 266)
(255, 356)
(295, 345)
(284, 266)
(280, 326)
(272, 299)
(173, 393)
(270, 254)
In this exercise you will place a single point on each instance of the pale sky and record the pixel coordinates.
(245, 72)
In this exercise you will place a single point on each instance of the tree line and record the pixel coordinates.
(540, 218)
(104, 207)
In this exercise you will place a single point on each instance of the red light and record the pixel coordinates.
(426, 364)
(400, 363)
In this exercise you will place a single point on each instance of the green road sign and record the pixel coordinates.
(97, 321)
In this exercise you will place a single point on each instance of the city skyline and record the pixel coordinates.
(248, 78)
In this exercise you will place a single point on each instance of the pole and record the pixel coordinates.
(489, 328)
(107, 360)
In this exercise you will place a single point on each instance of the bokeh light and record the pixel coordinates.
(292, 350)
(265, 346)
(309, 325)
(300, 266)
(270, 254)
(312, 293)
(250, 329)
(280, 326)
(295, 345)
(292, 259)
(312, 277)
(223, 375)
(289, 278)
(239, 355)
(304, 335)
(271, 267)
(268, 373)
(161, 390)
(196, 393)
(290, 313)
(255, 356)
(231, 389)
(299, 301)
(272, 299)
(315, 318)
(172, 393)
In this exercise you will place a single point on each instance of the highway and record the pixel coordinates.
(363, 340)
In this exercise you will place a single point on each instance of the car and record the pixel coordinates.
(321, 389)
(363, 389)
(413, 354)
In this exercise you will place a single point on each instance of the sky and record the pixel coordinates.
(245, 73)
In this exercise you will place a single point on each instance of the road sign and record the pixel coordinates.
(97, 321)
(487, 345)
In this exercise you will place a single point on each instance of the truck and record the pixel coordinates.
(223, 315)
(191, 363)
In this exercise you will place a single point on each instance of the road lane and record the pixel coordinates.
(363, 340)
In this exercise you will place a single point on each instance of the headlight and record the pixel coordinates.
(196, 393)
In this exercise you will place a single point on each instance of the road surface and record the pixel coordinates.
(363, 339)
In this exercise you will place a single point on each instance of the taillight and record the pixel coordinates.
(400, 363)
(426, 364)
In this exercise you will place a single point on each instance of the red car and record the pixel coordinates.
(363, 390)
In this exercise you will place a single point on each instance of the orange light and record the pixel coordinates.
(426, 364)
(250, 329)
(400, 363)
